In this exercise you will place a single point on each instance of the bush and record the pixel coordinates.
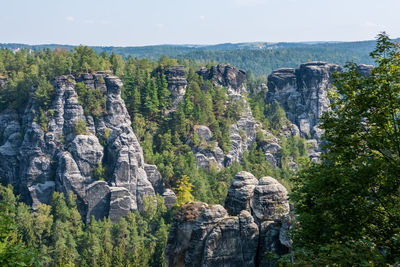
(99, 172)
(80, 127)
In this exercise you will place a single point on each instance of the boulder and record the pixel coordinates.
(270, 200)
(240, 193)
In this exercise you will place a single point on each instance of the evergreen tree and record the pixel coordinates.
(348, 206)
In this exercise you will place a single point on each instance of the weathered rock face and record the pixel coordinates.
(225, 75)
(177, 83)
(302, 93)
(208, 153)
(41, 162)
(270, 200)
(206, 235)
(232, 242)
(243, 132)
(240, 193)
(181, 232)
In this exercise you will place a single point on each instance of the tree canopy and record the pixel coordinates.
(348, 206)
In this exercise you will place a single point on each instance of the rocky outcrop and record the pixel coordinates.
(180, 233)
(256, 221)
(157, 183)
(177, 83)
(303, 94)
(240, 193)
(232, 242)
(207, 153)
(270, 200)
(243, 132)
(225, 75)
(55, 158)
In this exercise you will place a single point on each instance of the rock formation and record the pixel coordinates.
(240, 193)
(38, 161)
(303, 94)
(256, 220)
(243, 132)
(225, 75)
(177, 84)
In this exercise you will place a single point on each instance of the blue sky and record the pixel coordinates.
(132, 23)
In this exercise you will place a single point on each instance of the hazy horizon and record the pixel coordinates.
(185, 22)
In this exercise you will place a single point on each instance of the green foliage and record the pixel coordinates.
(92, 100)
(184, 191)
(276, 117)
(13, 251)
(100, 172)
(349, 204)
(80, 128)
(56, 236)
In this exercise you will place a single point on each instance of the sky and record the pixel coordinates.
(152, 22)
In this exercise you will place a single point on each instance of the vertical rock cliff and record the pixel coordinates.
(39, 160)
(256, 220)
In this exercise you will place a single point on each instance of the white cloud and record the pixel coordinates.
(202, 17)
(70, 18)
(160, 25)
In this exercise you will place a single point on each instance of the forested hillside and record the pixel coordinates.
(260, 58)
(103, 156)
(169, 134)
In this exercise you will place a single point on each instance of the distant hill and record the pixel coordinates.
(259, 57)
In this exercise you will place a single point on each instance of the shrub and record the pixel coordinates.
(80, 127)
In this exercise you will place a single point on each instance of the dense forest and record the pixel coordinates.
(356, 183)
(259, 58)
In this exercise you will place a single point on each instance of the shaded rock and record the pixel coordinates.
(225, 75)
(270, 232)
(87, 153)
(42, 193)
(3, 82)
(270, 200)
(303, 94)
(98, 200)
(177, 83)
(120, 203)
(207, 220)
(233, 242)
(154, 176)
(240, 193)
(169, 198)
(180, 233)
